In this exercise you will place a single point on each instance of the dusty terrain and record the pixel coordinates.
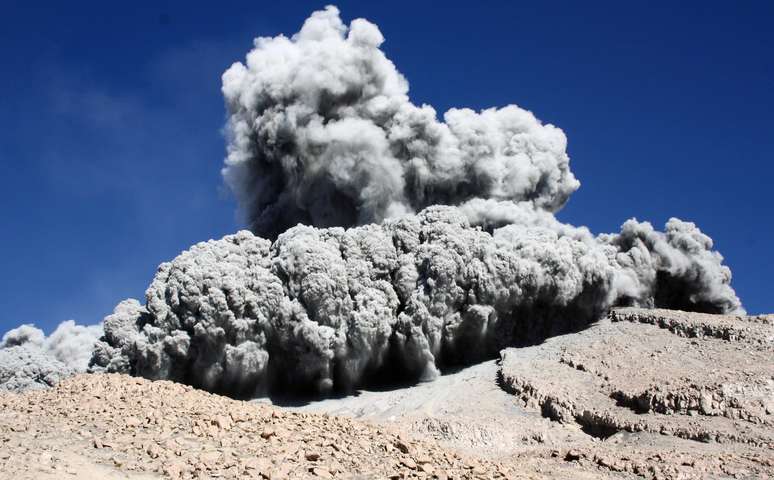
(660, 393)
(653, 393)
(116, 426)
(642, 394)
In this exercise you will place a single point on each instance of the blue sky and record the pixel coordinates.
(111, 119)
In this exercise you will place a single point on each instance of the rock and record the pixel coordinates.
(173, 469)
(402, 446)
(259, 464)
(321, 472)
(572, 456)
(222, 422)
(210, 459)
(153, 450)
(312, 456)
(132, 421)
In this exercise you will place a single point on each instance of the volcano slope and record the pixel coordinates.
(640, 394)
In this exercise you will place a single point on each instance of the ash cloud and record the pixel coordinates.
(323, 309)
(395, 244)
(29, 368)
(385, 244)
(322, 132)
(29, 359)
(23, 334)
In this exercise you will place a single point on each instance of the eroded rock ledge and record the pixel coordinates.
(697, 377)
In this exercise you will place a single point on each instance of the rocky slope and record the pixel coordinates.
(115, 424)
(642, 394)
(666, 393)
(646, 393)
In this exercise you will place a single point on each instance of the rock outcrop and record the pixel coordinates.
(683, 385)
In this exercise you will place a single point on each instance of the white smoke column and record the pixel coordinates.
(322, 132)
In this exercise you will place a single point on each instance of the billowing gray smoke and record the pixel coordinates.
(322, 309)
(453, 252)
(29, 359)
(322, 133)
(29, 368)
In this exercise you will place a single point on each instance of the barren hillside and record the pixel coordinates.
(642, 394)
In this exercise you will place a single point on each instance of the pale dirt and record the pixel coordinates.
(644, 394)
(106, 426)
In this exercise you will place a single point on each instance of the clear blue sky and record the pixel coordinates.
(111, 118)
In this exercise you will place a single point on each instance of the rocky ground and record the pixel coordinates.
(642, 394)
(659, 393)
(121, 427)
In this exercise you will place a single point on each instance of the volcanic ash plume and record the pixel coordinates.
(322, 133)
(422, 244)
(29, 359)
(322, 309)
